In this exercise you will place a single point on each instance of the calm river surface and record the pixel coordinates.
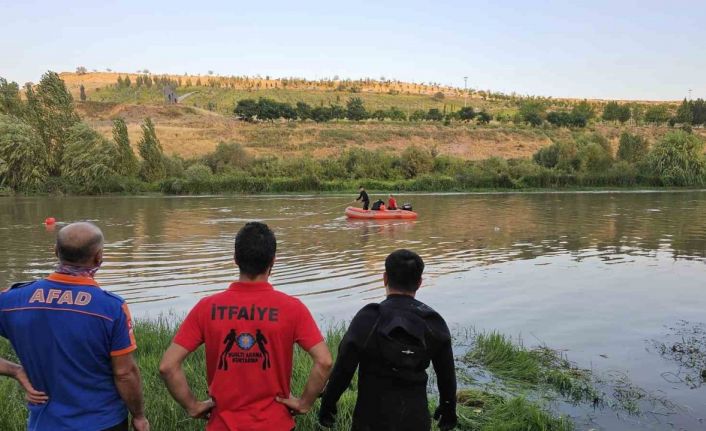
(598, 275)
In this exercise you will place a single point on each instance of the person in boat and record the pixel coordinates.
(251, 392)
(391, 203)
(391, 344)
(76, 342)
(378, 205)
(363, 196)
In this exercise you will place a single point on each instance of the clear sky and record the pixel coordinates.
(624, 49)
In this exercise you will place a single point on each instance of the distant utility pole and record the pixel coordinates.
(465, 90)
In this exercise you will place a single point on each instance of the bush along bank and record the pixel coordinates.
(502, 385)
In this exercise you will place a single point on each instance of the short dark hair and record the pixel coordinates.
(255, 247)
(404, 270)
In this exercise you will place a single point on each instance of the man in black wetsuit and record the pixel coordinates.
(363, 196)
(392, 344)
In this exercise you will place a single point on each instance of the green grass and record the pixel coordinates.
(478, 409)
(536, 368)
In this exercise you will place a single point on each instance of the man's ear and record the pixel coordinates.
(384, 278)
(420, 283)
(56, 250)
(272, 265)
(98, 258)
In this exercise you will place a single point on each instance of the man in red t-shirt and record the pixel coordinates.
(249, 331)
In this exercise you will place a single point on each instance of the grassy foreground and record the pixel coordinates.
(479, 409)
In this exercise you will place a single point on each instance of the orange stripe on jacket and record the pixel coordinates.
(57, 309)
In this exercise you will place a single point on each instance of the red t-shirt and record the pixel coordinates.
(393, 204)
(249, 331)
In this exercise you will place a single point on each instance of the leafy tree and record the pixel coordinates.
(434, 115)
(198, 172)
(632, 148)
(657, 114)
(559, 118)
(610, 111)
(126, 163)
(678, 159)
(246, 109)
(584, 110)
(547, 156)
(287, 112)
(483, 117)
(613, 111)
(594, 158)
(698, 112)
(153, 166)
(120, 81)
(624, 113)
(416, 161)
(637, 112)
(466, 113)
(321, 114)
(268, 109)
(127, 82)
(418, 115)
(227, 156)
(82, 93)
(532, 112)
(89, 158)
(566, 119)
(338, 112)
(50, 110)
(684, 114)
(81, 70)
(303, 111)
(23, 156)
(10, 101)
(356, 109)
(396, 114)
(438, 96)
(379, 115)
(173, 167)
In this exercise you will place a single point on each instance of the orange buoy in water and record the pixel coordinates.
(49, 221)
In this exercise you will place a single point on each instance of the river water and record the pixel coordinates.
(597, 275)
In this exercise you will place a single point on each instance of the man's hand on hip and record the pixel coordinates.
(295, 405)
(201, 409)
(32, 395)
(140, 423)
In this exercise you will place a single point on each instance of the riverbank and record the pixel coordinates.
(479, 408)
(243, 184)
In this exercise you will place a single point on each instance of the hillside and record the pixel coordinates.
(204, 117)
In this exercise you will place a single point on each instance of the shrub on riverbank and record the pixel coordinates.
(478, 409)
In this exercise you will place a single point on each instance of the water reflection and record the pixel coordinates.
(163, 249)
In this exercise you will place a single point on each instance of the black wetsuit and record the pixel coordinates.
(364, 197)
(388, 399)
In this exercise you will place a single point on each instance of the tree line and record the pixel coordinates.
(42, 139)
(265, 109)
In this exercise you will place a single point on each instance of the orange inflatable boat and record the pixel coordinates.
(359, 213)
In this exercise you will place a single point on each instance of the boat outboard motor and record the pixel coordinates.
(407, 207)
